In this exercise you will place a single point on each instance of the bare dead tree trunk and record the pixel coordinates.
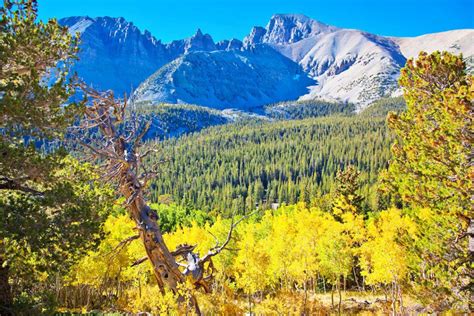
(165, 267)
(122, 163)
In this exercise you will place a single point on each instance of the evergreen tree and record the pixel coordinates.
(51, 212)
(432, 170)
(294, 158)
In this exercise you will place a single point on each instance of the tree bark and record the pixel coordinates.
(124, 163)
(332, 295)
(165, 268)
(6, 297)
(305, 295)
(250, 304)
(340, 295)
(470, 233)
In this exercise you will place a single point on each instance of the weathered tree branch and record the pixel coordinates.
(139, 261)
(217, 249)
(123, 166)
(117, 249)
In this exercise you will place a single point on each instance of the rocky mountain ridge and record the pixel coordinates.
(309, 60)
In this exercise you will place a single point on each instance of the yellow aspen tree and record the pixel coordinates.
(384, 259)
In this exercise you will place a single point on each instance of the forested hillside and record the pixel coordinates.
(382, 107)
(305, 109)
(241, 166)
(172, 120)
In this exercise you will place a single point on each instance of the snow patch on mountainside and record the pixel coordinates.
(77, 24)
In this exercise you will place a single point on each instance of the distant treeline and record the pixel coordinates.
(296, 110)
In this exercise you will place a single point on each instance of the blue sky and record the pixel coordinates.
(172, 19)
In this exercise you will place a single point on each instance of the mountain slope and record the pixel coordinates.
(348, 65)
(233, 167)
(352, 66)
(114, 53)
(457, 41)
(226, 79)
(174, 120)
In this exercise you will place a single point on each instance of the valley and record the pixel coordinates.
(293, 168)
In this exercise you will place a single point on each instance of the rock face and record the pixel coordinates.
(255, 37)
(226, 79)
(197, 42)
(233, 44)
(292, 57)
(283, 29)
(291, 28)
(115, 54)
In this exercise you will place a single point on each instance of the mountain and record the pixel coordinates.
(285, 29)
(226, 79)
(348, 65)
(114, 54)
(197, 42)
(292, 57)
